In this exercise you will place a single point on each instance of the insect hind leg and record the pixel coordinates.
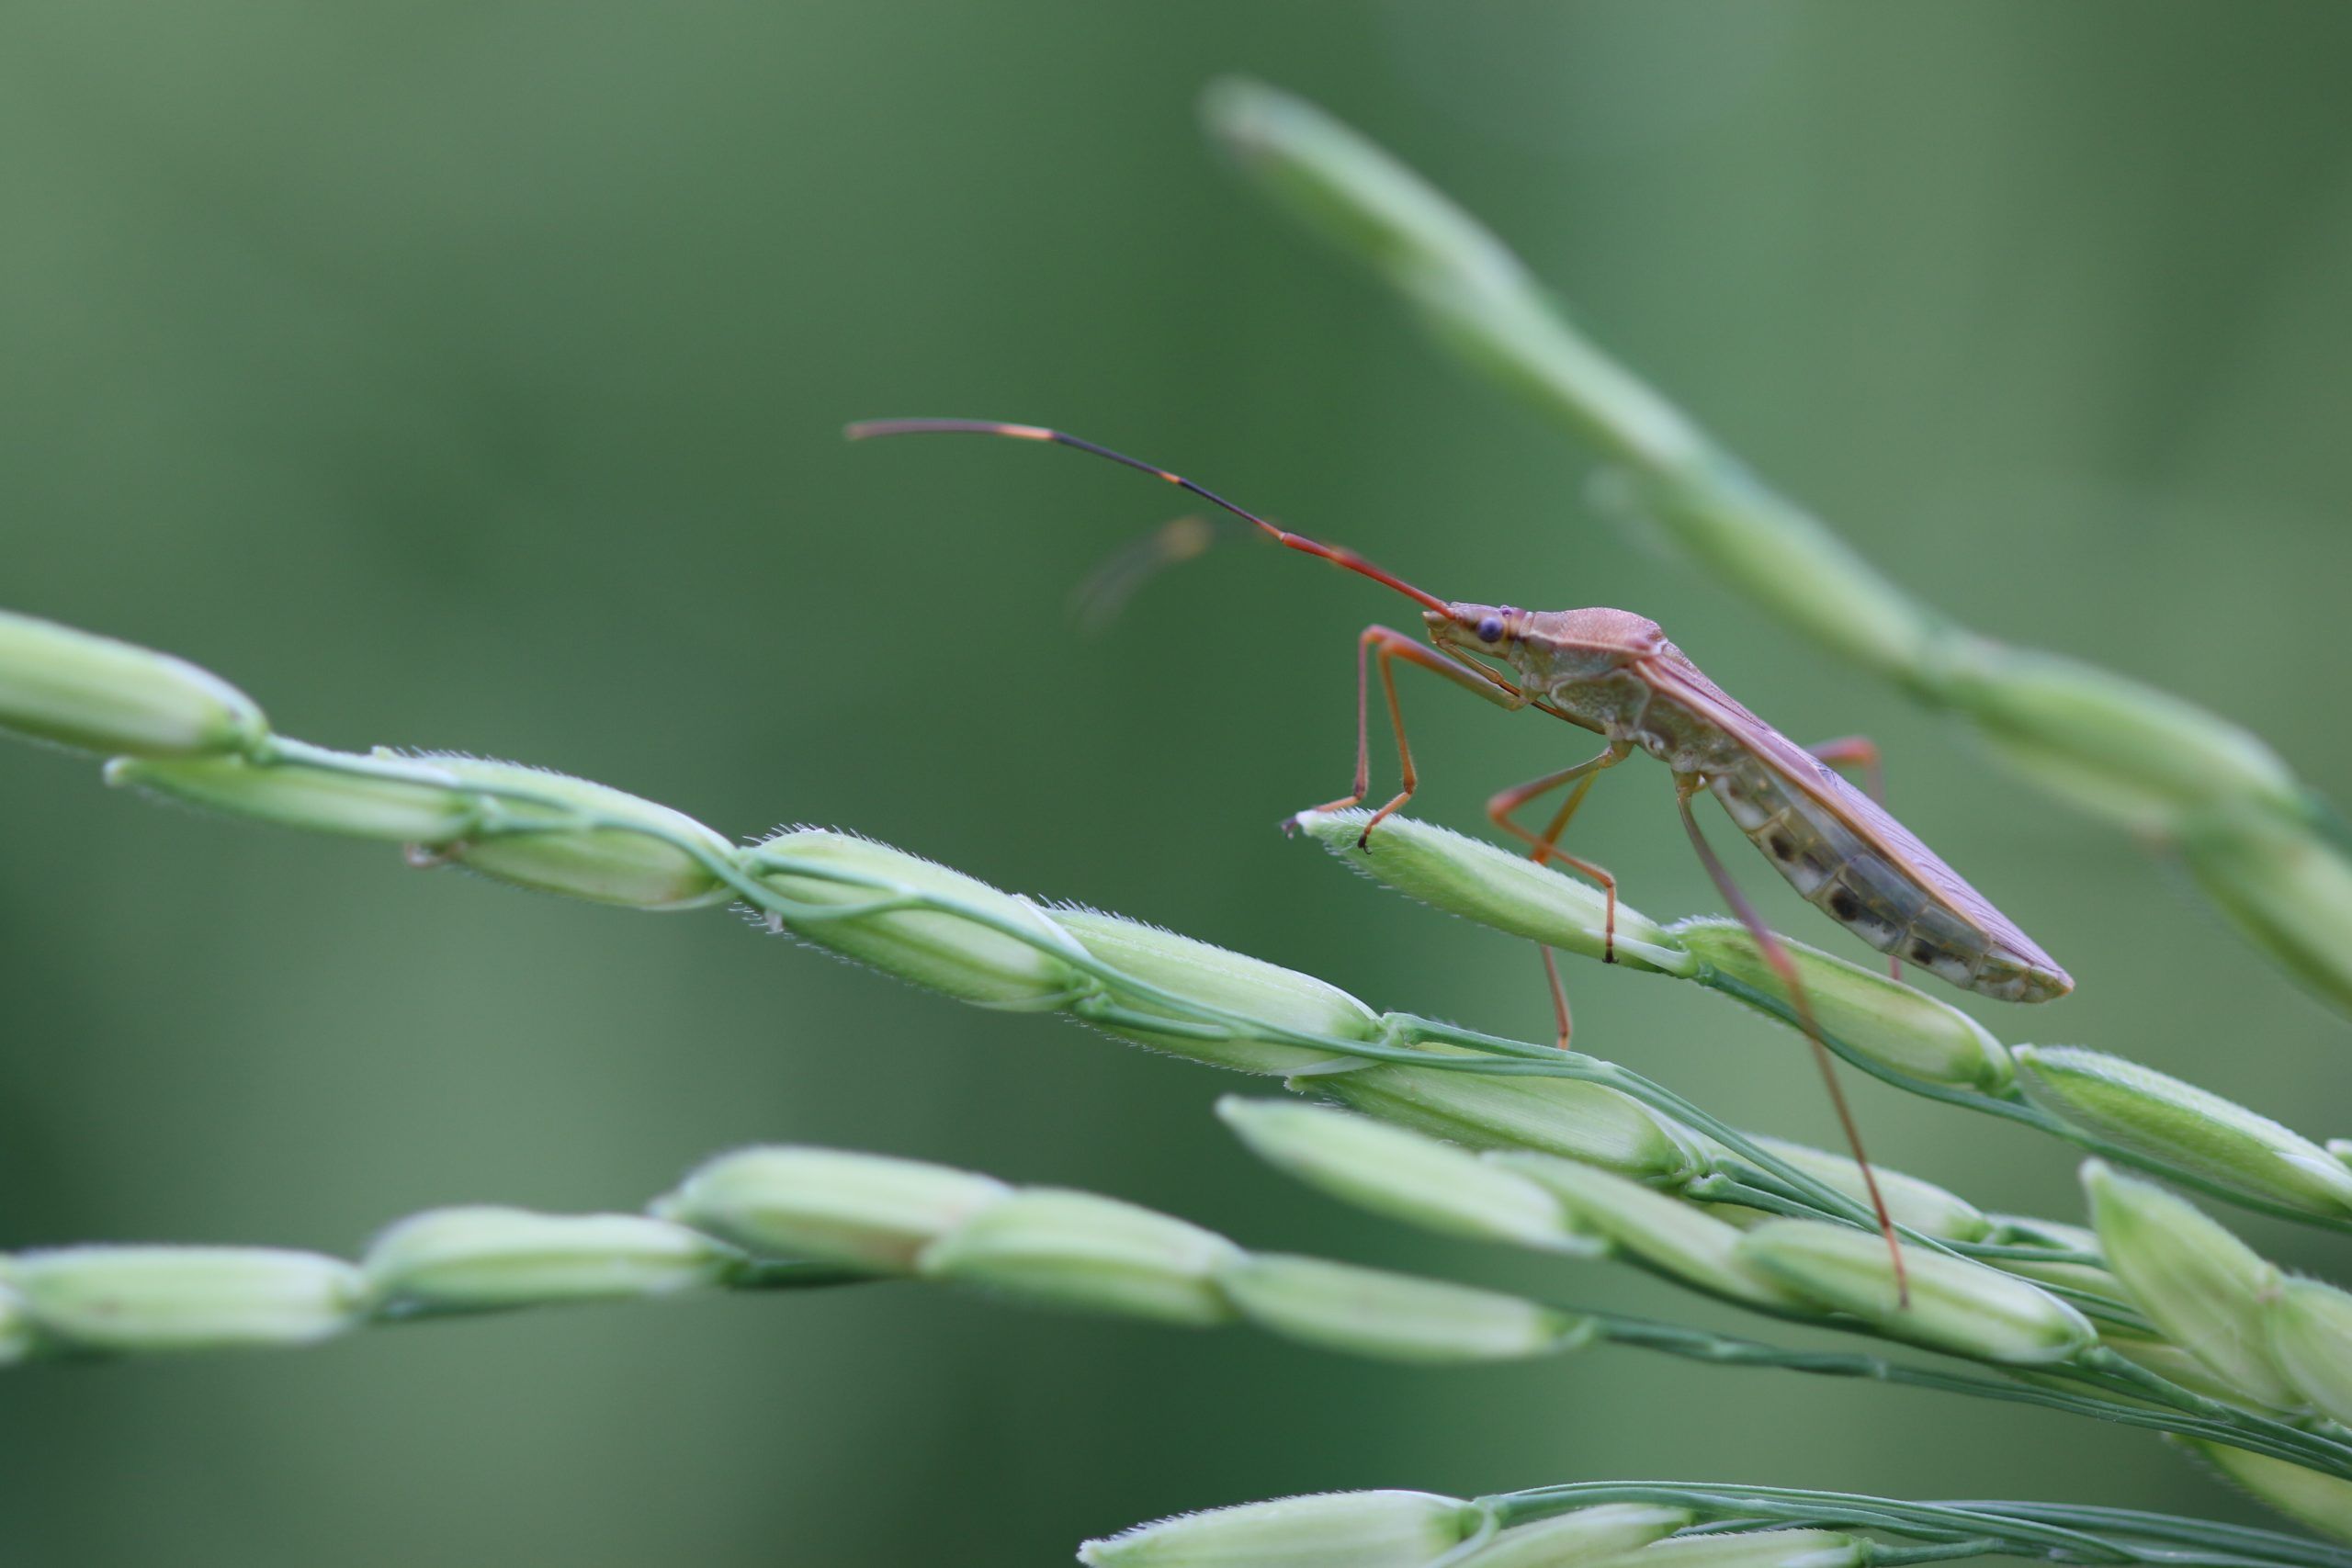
(1858, 751)
(1776, 955)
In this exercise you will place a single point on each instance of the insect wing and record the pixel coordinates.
(1672, 673)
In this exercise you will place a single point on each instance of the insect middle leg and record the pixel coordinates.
(1861, 752)
(1546, 844)
(1545, 847)
(1392, 645)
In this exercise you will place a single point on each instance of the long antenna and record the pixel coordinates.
(1336, 554)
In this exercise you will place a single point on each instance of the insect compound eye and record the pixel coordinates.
(1490, 629)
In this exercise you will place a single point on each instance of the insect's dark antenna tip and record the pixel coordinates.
(1338, 555)
(865, 429)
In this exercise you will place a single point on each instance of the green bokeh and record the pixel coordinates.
(470, 377)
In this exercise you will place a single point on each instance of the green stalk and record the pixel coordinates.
(487, 805)
(511, 807)
(720, 1232)
(1508, 1057)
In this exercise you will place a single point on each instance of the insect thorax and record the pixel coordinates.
(1620, 703)
(1609, 698)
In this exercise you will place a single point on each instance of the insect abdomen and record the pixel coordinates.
(1861, 890)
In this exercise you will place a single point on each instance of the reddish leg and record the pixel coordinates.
(1561, 1019)
(1776, 955)
(1394, 645)
(1861, 752)
(1545, 847)
(1857, 751)
(1546, 844)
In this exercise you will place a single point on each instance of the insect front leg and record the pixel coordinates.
(1391, 645)
(1775, 953)
(1861, 752)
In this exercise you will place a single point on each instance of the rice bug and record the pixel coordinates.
(1615, 673)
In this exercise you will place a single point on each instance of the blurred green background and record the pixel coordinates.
(470, 377)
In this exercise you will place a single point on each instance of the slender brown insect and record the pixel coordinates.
(1615, 673)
